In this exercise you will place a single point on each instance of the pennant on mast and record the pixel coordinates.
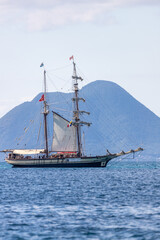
(71, 58)
(42, 65)
(42, 98)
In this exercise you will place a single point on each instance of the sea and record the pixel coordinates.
(121, 201)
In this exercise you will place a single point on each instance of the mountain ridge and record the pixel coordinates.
(119, 121)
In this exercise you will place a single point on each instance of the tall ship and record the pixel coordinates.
(66, 148)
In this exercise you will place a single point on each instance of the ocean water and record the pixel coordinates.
(121, 201)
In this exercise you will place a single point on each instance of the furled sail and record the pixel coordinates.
(28, 151)
(64, 135)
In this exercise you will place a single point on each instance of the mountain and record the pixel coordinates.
(119, 121)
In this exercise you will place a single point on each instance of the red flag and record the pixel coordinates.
(42, 98)
(71, 57)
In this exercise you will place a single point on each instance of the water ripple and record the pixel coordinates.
(118, 202)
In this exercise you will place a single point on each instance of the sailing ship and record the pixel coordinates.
(66, 149)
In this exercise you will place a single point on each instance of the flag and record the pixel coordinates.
(70, 124)
(42, 65)
(71, 57)
(42, 98)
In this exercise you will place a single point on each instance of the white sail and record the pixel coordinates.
(64, 137)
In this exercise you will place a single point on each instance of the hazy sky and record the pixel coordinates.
(116, 40)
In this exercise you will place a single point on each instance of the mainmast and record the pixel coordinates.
(76, 108)
(77, 112)
(45, 113)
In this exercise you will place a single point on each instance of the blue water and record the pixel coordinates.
(121, 201)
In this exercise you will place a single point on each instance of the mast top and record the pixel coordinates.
(45, 113)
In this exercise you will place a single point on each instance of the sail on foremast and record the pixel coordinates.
(64, 137)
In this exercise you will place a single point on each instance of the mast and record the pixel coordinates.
(77, 112)
(76, 107)
(45, 113)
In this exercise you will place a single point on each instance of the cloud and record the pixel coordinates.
(41, 15)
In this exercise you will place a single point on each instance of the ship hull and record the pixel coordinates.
(100, 161)
(73, 165)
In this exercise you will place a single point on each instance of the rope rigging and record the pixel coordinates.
(90, 107)
(100, 135)
(116, 124)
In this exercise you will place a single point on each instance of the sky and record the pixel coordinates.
(114, 40)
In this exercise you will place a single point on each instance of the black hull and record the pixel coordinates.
(64, 165)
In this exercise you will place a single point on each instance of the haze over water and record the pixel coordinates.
(121, 201)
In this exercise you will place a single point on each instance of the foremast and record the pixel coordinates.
(45, 113)
(76, 112)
